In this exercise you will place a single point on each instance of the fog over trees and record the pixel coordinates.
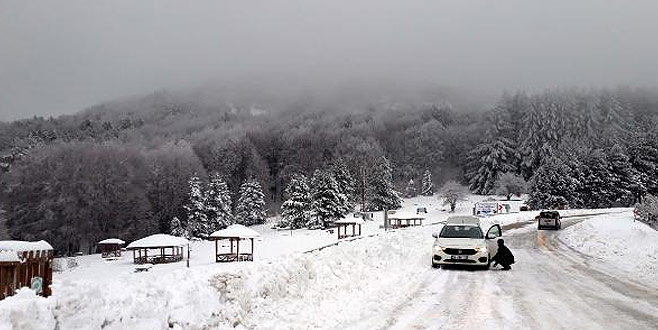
(123, 168)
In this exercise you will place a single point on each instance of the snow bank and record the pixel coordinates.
(352, 284)
(619, 242)
(26, 311)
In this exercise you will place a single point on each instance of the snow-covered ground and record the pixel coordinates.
(357, 284)
(618, 241)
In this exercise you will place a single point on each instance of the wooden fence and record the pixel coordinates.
(35, 264)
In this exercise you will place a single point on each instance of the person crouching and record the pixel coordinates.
(504, 256)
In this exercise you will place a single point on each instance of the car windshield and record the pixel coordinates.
(549, 215)
(461, 232)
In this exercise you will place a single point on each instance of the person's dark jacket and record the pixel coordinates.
(504, 256)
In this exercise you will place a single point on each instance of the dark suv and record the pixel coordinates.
(549, 219)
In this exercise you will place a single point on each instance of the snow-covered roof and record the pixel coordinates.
(112, 241)
(405, 216)
(235, 231)
(157, 240)
(9, 256)
(22, 246)
(351, 220)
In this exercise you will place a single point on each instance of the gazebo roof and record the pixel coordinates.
(22, 246)
(406, 216)
(235, 231)
(350, 220)
(157, 241)
(112, 241)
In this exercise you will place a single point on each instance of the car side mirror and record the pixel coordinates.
(435, 235)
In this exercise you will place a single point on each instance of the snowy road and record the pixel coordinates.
(550, 287)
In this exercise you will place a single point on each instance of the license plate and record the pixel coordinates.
(458, 257)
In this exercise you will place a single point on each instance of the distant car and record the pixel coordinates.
(462, 242)
(524, 208)
(549, 219)
(421, 209)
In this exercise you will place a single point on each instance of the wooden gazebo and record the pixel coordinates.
(401, 220)
(235, 234)
(111, 247)
(345, 223)
(25, 264)
(158, 249)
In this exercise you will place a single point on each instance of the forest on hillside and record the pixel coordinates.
(124, 168)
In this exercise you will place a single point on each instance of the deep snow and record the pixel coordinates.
(357, 284)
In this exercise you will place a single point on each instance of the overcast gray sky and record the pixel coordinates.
(59, 57)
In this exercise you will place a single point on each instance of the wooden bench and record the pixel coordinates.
(143, 268)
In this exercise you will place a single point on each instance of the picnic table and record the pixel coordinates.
(143, 268)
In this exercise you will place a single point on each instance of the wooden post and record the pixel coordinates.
(252, 249)
(216, 249)
(237, 251)
(359, 229)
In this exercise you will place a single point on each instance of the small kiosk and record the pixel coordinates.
(234, 234)
(158, 249)
(346, 223)
(25, 264)
(111, 247)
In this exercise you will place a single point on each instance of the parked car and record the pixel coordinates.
(462, 242)
(421, 209)
(524, 208)
(549, 219)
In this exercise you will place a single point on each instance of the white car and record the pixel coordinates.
(462, 242)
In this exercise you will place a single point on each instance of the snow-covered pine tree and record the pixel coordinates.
(487, 161)
(383, 194)
(596, 188)
(296, 210)
(343, 177)
(553, 185)
(643, 156)
(197, 219)
(410, 189)
(177, 228)
(327, 200)
(622, 176)
(249, 209)
(218, 203)
(428, 185)
(345, 182)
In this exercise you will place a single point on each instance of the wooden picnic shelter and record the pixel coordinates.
(234, 234)
(404, 219)
(111, 247)
(158, 249)
(346, 223)
(25, 264)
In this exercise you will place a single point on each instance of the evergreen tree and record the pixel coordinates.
(622, 176)
(250, 206)
(643, 156)
(383, 195)
(553, 186)
(196, 209)
(428, 185)
(328, 202)
(410, 189)
(218, 203)
(596, 187)
(487, 161)
(296, 210)
(177, 228)
(345, 182)
(343, 178)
